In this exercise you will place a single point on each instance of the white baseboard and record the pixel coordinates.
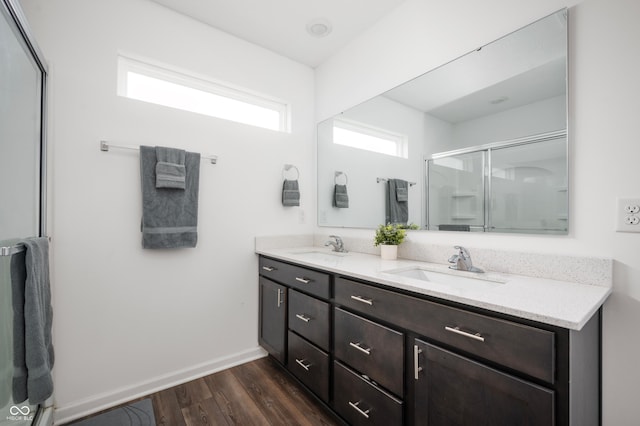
(96, 403)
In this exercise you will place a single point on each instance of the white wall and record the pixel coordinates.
(129, 320)
(603, 108)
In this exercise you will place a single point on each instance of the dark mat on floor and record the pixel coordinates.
(137, 414)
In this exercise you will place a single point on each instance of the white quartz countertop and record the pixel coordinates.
(560, 303)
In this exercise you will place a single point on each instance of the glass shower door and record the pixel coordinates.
(456, 192)
(529, 187)
(22, 78)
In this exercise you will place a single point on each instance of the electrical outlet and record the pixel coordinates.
(628, 215)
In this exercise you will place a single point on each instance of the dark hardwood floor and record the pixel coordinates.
(255, 393)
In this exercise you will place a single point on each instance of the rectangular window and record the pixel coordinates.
(369, 138)
(158, 85)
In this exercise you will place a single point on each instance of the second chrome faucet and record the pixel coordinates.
(337, 244)
(462, 261)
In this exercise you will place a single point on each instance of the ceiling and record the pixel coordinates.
(280, 25)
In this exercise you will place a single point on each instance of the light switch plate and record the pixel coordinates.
(628, 215)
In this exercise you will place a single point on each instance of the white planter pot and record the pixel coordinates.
(388, 252)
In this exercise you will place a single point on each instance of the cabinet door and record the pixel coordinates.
(273, 317)
(454, 390)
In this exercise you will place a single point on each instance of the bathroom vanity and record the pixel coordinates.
(386, 343)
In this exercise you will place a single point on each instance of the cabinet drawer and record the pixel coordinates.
(310, 365)
(523, 348)
(371, 349)
(309, 317)
(307, 280)
(361, 402)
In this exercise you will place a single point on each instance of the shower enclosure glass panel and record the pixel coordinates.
(22, 89)
(456, 192)
(20, 130)
(529, 187)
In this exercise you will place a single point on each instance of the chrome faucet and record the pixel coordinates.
(338, 245)
(462, 261)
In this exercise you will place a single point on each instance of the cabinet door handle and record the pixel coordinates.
(268, 268)
(358, 346)
(416, 362)
(303, 280)
(303, 318)
(456, 330)
(279, 297)
(363, 300)
(355, 407)
(302, 364)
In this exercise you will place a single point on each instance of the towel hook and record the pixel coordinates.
(288, 167)
(337, 175)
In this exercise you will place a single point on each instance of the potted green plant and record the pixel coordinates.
(389, 237)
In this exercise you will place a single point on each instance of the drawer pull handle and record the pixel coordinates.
(476, 336)
(355, 407)
(302, 364)
(360, 348)
(268, 268)
(363, 300)
(303, 318)
(416, 362)
(303, 280)
(279, 297)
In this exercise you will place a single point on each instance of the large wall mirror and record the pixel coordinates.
(478, 144)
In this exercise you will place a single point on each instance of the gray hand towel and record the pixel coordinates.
(33, 355)
(170, 169)
(395, 211)
(340, 197)
(6, 331)
(290, 193)
(169, 217)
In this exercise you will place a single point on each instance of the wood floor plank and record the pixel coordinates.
(192, 392)
(309, 409)
(234, 401)
(205, 412)
(167, 409)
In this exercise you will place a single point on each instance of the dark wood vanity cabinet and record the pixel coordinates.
(376, 355)
(273, 316)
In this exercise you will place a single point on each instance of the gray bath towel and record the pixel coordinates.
(396, 211)
(290, 193)
(169, 216)
(170, 169)
(33, 355)
(6, 331)
(340, 196)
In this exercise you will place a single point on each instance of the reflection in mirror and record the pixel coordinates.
(507, 92)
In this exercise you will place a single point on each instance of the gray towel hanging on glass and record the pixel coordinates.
(290, 193)
(33, 355)
(397, 201)
(170, 169)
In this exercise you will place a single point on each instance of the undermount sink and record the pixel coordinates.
(450, 280)
(325, 255)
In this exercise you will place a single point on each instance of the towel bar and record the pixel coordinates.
(378, 180)
(11, 250)
(104, 146)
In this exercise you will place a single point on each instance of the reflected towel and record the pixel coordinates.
(169, 217)
(33, 355)
(170, 169)
(290, 193)
(340, 197)
(396, 211)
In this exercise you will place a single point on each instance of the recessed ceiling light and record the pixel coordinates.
(320, 27)
(499, 100)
